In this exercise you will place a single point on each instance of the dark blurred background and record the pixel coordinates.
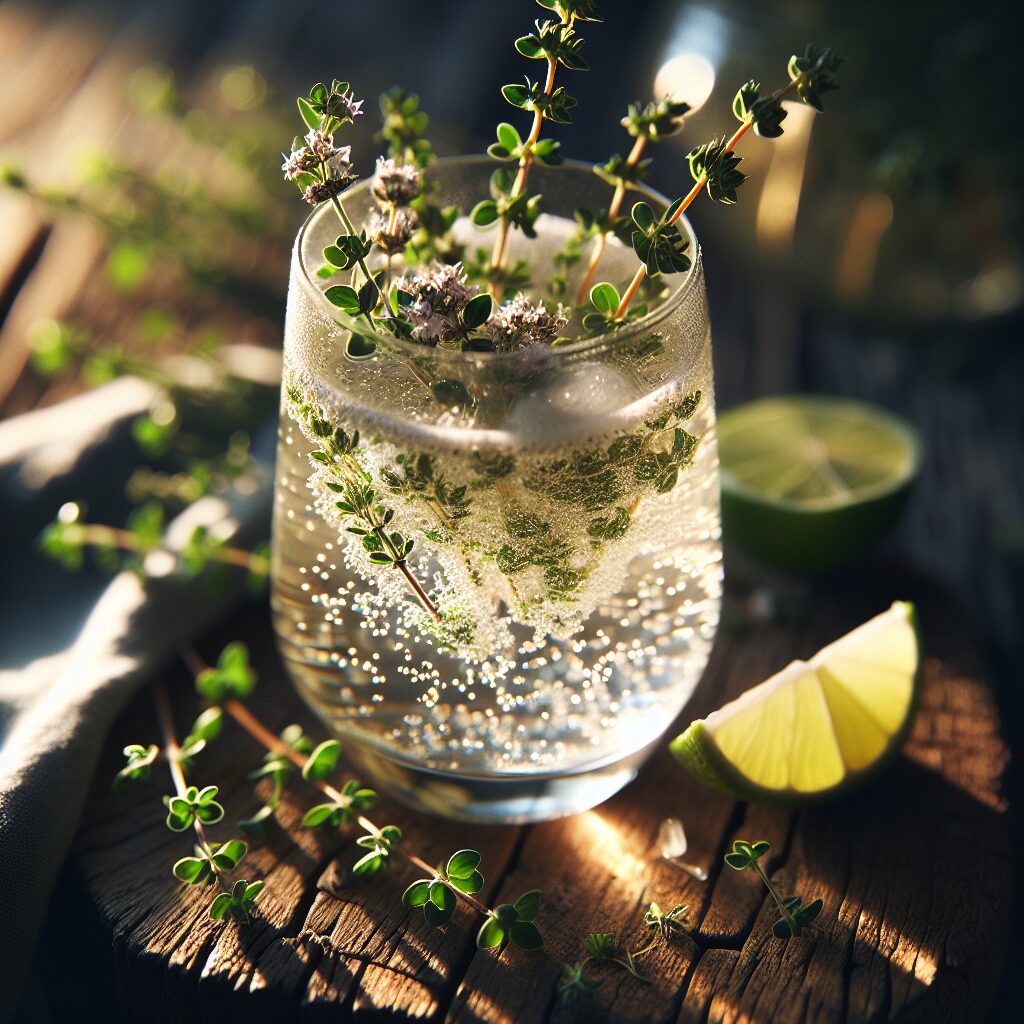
(875, 252)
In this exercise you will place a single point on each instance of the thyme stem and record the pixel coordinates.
(172, 752)
(101, 535)
(499, 255)
(613, 211)
(780, 906)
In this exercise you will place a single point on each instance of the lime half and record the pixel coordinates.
(810, 483)
(818, 727)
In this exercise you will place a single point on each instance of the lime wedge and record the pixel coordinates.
(818, 727)
(810, 483)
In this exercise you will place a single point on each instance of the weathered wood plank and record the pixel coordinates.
(898, 937)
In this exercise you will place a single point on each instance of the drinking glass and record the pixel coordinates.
(496, 576)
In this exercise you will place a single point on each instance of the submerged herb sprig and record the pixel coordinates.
(358, 503)
(459, 878)
(714, 165)
(794, 916)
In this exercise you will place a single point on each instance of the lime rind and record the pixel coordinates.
(698, 752)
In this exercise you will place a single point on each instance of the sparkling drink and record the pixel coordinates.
(561, 594)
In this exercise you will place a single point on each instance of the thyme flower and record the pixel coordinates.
(394, 183)
(519, 323)
(297, 162)
(391, 235)
(352, 105)
(339, 164)
(437, 296)
(320, 144)
(321, 191)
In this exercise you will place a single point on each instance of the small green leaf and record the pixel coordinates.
(343, 296)
(528, 905)
(253, 889)
(368, 297)
(529, 46)
(643, 216)
(508, 136)
(462, 863)
(358, 348)
(233, 850)
(476, 311)
(441, 896)
(320, 814)
(208, 725)
(605, 297)
(417, 894)
(526, 935)
(470, 884)
(484, 213)
(738, 861)
(491, 935)
(807, 914)
(438, 916)
(336, 258)
(323, 761)
(368, 865)
(220, 906)
(517, 95)
(210, 812)
(189, 869)
(309, 115)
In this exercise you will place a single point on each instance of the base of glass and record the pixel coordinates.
(494, 799)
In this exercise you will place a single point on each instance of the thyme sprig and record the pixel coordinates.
(557, 43)
(795, 916)
(646, 123)
(69, 537)
(714, 164)
(458, 878)
(574, 988)
(358, 502)
(194, 808)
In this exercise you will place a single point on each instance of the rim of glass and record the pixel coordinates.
(677, 294)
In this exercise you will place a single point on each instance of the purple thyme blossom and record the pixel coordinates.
(394, 183)
(352, 105)
(339, 174)
(296, 162)
(439, 294)
(320, 143)
(519, 323)
(339, 164)
(393, 242)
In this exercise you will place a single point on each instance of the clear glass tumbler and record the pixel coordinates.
(559, 601)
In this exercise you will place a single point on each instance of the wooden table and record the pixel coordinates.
(914, 872)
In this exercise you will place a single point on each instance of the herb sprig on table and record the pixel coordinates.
(576, 986)
(795, 916)
(224, 687)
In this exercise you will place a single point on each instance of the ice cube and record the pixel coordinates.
(583, 392)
